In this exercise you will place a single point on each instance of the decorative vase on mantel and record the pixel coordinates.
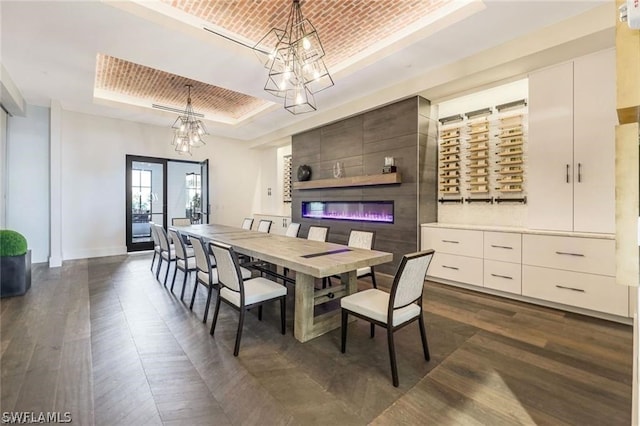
(338, 170)
(304, 173)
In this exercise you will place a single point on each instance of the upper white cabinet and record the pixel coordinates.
(572, 121)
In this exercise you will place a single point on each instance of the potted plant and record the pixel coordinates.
(15, 264)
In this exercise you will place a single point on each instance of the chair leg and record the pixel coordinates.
(193, 297)
(236, 350)
(184, 285)
(158, 268)
(423, 334)
(373, 330)
(166, 275)
(345, 316)
(215, 316)
(373, 278)
(392, 357)
(260, 313)
(283, 314)
(153, 260)
(173, 281)
(206, 308)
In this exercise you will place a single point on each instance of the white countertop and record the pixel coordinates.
(495, 228)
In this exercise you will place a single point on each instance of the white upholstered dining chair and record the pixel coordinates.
(247, 223)
(243, 294)
(392, 310)
(167, 251)
(318, 233)
(156, 246)
(292, 230)
(363, 240)
(264, 225)
(185, 261)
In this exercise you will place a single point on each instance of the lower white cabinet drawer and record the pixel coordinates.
(462, 269)
(503, 276)
(595, 292)
(589, 255)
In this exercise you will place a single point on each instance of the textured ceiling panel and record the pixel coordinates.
(346, 27)
(159, 87)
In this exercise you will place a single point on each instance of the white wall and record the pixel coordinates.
(176, 188)
(271, 177)
(93, 179)
(27, 197)
(3, 169)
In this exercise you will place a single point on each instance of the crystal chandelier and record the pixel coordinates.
(294, 58)
(188, 130)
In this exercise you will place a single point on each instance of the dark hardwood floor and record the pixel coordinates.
(103, 340)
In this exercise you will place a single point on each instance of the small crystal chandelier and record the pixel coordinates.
(294, 58)
(188, 130)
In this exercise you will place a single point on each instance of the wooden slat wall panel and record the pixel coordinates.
(361, 143)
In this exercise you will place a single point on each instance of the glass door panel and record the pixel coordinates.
(146, 196)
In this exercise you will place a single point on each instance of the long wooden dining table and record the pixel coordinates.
(309, 259)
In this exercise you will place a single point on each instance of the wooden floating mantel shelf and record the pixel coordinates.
(383, 179)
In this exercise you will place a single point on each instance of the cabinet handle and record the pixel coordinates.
(570, 254)
(450, 267)
(579, 172)
(567, 173)
(451, 241)
(502, 247)
(502, 276)
(579, 290)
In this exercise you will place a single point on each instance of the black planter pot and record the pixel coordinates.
(15, 275)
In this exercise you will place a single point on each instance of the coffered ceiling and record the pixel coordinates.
(120, 58)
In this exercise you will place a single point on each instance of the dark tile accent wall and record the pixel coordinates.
(402, 130)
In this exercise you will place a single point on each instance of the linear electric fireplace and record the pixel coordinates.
(365, 211)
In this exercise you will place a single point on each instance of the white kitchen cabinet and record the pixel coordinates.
(550, 149)
(572, 269)
(589, 291)
(594, 111)
(460, 269)
(503, 276)
(590, 255)
(572, 145)
(461, 242)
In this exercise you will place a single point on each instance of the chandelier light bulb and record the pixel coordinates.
(306, 43)
(299, 99)
(182, 127)
(316, 74)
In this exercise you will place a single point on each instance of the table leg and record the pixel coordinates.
(306, 325)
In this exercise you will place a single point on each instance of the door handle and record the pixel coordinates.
(502, 276)
(502, 247)
(579, 290)
(579, 172)
(450, 267)
(567, 173)
(565, 253)
(451, 241)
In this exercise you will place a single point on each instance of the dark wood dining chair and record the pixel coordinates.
(243, 294)
(394, 310)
